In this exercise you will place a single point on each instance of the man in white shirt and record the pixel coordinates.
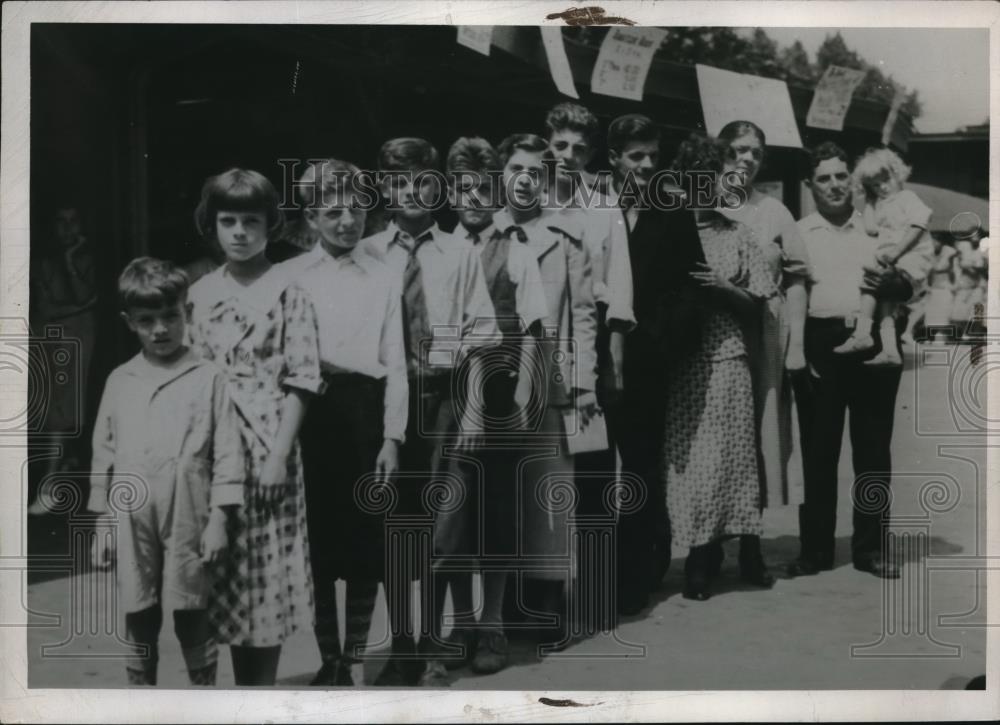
(835, 383)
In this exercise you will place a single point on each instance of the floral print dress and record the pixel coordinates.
(711, 451)
(264, 337)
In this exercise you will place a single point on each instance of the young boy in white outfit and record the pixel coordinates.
(167, 472)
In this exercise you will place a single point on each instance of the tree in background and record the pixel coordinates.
(876, 85)
(795, 61)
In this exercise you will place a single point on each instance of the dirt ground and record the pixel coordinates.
(840, 630)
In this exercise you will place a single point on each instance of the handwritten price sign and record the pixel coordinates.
(624, 60)
(833, 97)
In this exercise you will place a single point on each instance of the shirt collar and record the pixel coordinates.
(218, 286)
(540, 229)
(139, 367)
(433, 230)
(818, 221)
(484, 234)
(318, 255)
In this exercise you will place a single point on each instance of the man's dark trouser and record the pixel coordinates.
(637, 425)
(595, 471)
(843, 384)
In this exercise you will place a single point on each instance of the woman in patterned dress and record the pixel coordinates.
(711, 457)
(778, 343)
(261, 330)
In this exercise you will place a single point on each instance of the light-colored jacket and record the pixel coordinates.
(565, 267)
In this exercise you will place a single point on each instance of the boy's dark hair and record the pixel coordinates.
(574, 117)
(408, 154)
(631, 127)
(521, 142)
(149, 282)
(823, 152)
(327, 179)
(238, 190)
(472, 153)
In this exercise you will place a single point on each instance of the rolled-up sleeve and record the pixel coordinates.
(794, 255)
(228, 461)
(301, 342)
(392, 356)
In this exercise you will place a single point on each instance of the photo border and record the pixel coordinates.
(18, 703)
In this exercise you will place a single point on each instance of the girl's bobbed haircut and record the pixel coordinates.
(876, 160)
(149, 282)
(239, 190)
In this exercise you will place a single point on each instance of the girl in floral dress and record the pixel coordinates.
(261, 330)
(712, 476)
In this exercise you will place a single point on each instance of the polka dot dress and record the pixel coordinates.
(712, 479)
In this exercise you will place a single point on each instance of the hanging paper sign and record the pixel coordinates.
(476, 37)
(555, 51)
(624, 60)
(833, 97)
(728, 96)
(890, 122)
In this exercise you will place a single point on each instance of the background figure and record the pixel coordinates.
(970, 285)
(777, 343)
(933, 309)
(712, 472)
(64, 295)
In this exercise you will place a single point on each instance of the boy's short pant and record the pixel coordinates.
(158, 546)
(341, 438)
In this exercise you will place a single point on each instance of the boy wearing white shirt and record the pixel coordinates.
(353, 432)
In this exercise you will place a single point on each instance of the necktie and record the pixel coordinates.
(517, 231)
(418, 326)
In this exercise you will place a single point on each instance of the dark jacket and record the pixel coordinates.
(664, 248)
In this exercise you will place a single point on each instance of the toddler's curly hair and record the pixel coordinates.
(876, 160)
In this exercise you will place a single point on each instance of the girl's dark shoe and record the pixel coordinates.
(697, 573)
(753, 570)
(715, 558)
(696, 589)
